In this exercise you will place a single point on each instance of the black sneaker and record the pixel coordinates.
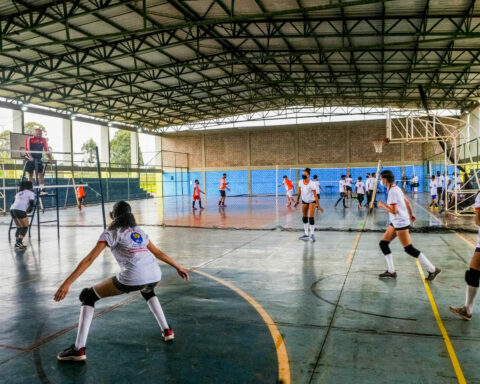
(20, 246)
(72, 354)
(431, 275)
(388, 275)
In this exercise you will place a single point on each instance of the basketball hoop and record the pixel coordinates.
(378, 144)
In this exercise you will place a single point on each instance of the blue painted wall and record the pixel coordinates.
(238, 182)
(264, 181)
(328, 177)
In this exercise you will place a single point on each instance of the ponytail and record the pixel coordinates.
(122, 216)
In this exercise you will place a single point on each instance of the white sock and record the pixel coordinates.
(305, 228)
(86, 316)
(312, 228)
(389, 260)
(470, 298)
(157, 311)
(422, 258)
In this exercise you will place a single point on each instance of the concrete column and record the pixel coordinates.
(134, 149)
(348, 141)
(67, 141)
(18, 120)
(249, 163)
(204, 159)
(402, 152)
(158, 148)
(104, 148)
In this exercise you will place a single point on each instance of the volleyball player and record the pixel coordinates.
(440, 180)
(288, 190)
(371, 186)
(319, 187)
(196, 195)
(348, 186)
(222, 186)
(139, 271)
(21, 206)
(307, 191)
(342, 190)
(80, 197)
(400, 215)
(433, 193)
(472, 275)
(360, 191)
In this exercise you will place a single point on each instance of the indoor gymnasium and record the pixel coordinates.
(249, 191)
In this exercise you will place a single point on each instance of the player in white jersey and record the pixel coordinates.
(343, 191)
(433, 193)
(21, 206)
(139, 271)
(319, 187)
(400, 215)
(360, 191)
(307, 191)
(440, 180)
(414, 183)
(348, 186)
(472, 275)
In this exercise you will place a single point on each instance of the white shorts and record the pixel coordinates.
(478, 241)
(290, 193)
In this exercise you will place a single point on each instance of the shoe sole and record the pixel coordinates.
(387, 277)
(459, 314)
(168, 338)
(72, 358)
(433, 277)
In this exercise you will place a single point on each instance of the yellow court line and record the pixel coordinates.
(446, 338)
(471, 243)
(282, 356)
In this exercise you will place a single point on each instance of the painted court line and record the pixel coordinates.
(446, 338)
(282, 356)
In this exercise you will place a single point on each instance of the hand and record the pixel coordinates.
(320, 209)
(380, 204)
(413, 218)
(296, 203)
(183, 273)
(61, 292)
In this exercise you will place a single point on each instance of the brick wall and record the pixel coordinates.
(342, 144)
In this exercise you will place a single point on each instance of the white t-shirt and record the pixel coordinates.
(306, 191)
(433, 188)
(401, 218)
(440, 181)
(415, 179)
(360, 186)
(341, 186)
(317, 184)
(348, 181)
(137, 264)
(371, 183)
(22, 200)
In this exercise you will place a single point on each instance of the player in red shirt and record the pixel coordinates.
(38, 144)
(196, 194)
(222, 186)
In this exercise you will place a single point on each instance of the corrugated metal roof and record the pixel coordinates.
(185, 60)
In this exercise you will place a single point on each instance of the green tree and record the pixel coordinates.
(29, 128)
(88, 148)
(120, 150)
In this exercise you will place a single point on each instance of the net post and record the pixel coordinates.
(101, 187)
(374, 193)
(56, 199)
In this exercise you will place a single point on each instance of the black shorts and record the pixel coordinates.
(18, 214)
(222, 193)
(400, 229)
(312, 202)
(30, 166)
(131, 288)
(360, 196)
(348, 188)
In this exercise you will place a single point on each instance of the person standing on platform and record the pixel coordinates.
(38, 144)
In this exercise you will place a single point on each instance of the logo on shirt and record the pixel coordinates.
(136, 237)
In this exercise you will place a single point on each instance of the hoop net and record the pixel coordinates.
(378, 144)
